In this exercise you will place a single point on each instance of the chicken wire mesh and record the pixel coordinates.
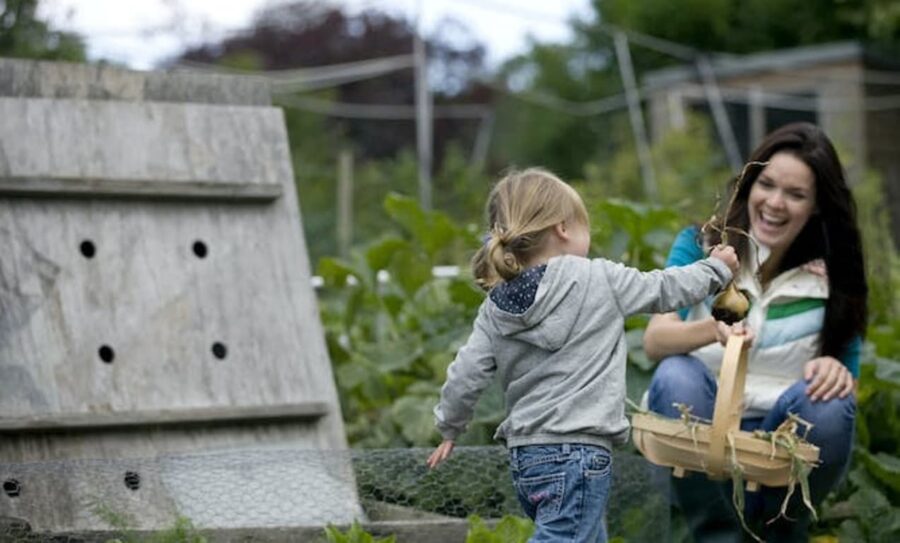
(265, 489)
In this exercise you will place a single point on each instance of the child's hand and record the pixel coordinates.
(441, 453)
(726, 254)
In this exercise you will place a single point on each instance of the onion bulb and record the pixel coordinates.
(731, 305)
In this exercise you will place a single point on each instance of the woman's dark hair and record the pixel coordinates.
(831, 233)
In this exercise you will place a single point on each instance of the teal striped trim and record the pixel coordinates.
(790, 329)
(790, 309)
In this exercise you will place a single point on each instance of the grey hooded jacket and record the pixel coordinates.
(561, 362)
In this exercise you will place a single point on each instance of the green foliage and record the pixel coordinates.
(355, 534)
(182, 531)
(742, 26)
(688, 166)
(867, 506)
(510, 529)
(536, 123)
(882, 264)
(391, 341)
(637, 235)
(459, 191)
(23, 35)
(865, 513)
(703, 23)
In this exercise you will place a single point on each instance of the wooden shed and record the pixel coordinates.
(155, 292)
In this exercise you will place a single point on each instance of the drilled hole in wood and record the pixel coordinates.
(87, 248)
(200, 249)
(106, 354)
(219, 350)
(132, 480)
(12, 488)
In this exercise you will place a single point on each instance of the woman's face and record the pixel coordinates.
(781, 200)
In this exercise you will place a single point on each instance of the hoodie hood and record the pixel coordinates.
(528, 308)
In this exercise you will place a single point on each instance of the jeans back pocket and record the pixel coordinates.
(542, 495)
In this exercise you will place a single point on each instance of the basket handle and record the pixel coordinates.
(729, 402)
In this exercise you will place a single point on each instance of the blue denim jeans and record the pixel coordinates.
(706, 504)
(564, 490)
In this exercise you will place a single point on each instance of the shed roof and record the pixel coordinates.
(726, 65)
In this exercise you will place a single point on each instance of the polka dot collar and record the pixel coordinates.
(517, 295)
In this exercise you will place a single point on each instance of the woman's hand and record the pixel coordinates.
(724, 331)
(828, 378)
(441, 453)
(817, 267)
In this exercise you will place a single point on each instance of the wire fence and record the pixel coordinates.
(282, 489)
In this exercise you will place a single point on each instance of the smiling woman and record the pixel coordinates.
(803, 272)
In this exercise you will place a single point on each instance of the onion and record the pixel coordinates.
(731, 305)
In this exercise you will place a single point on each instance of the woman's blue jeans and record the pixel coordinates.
(707, 504)
(564, 490)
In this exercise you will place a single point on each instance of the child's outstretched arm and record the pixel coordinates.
(467, 376)
(661, 291)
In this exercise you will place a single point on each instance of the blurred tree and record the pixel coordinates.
(23, 35)
(539, 121)
(690, 169)
(557, 133)
(311, 34)
(744, 26)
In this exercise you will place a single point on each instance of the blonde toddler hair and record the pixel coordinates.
(521, 210)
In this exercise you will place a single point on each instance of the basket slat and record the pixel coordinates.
(729, 401)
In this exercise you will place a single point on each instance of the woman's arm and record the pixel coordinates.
(667, 334)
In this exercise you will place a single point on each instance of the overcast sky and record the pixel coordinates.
(139, 33)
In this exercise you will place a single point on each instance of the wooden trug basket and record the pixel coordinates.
(671, 443)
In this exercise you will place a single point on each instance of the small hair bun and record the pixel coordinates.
(501, 234)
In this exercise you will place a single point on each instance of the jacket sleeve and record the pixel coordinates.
(467, 376)
(662, 291)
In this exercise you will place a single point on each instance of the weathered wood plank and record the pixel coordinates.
(36, 79)
(202, 416)
(138, 189)
(72, 138)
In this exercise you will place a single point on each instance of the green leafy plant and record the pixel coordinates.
(510, 529)
(392, 327)
(867, 506)
(355, 534)
(182, 531)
